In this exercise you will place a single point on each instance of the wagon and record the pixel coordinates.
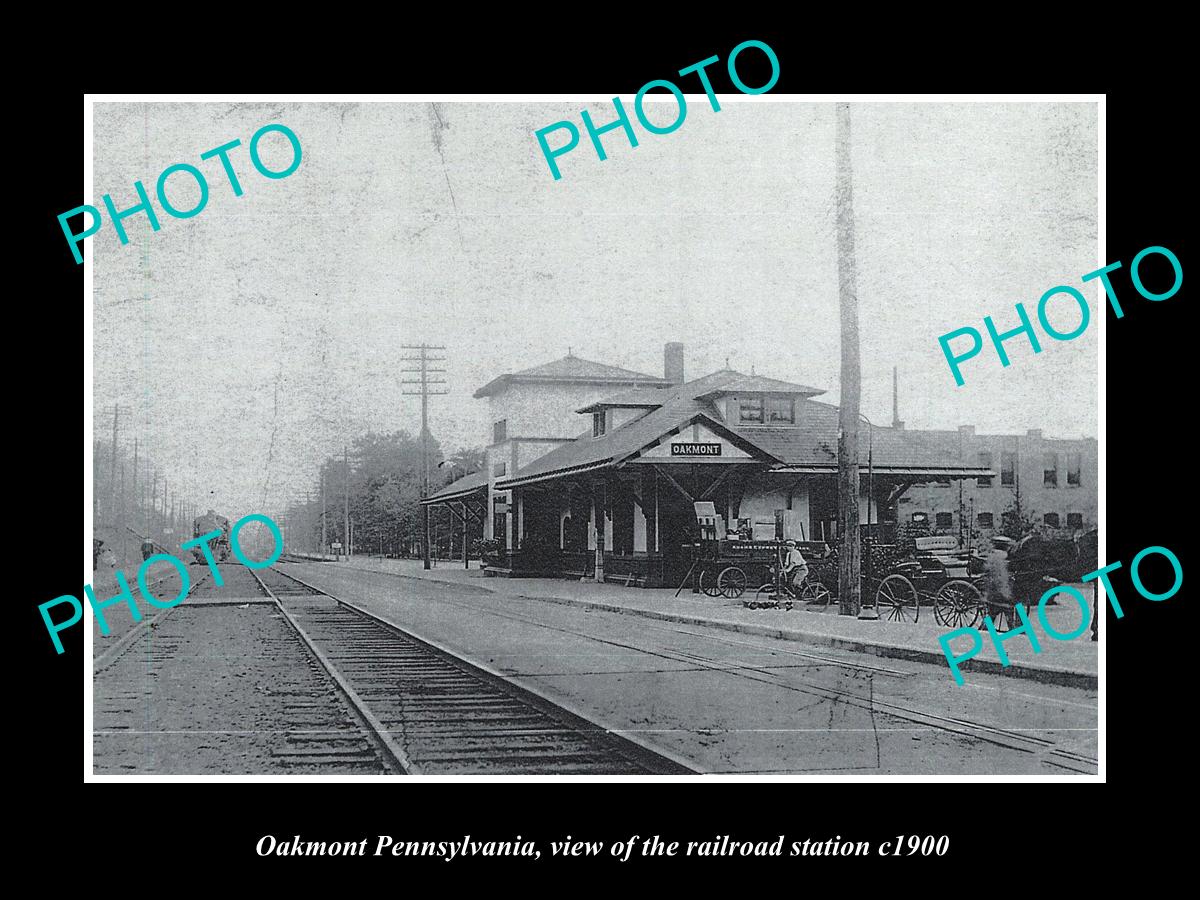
(899, 581)
(725, 567)
(941, 576)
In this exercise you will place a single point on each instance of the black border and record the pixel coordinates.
(1146, 447)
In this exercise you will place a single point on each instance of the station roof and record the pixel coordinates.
(460, 489)
(571, 370)
(758, 384)
(809, 445)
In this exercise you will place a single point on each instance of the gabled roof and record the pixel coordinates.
(571, 369)
(463, 487)
(586, 453)
(808, 445)
(759, 384)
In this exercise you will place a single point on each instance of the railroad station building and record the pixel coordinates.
(593, 470)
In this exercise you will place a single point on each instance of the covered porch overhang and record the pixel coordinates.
(466, 498)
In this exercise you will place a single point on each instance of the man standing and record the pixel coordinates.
(998, 584)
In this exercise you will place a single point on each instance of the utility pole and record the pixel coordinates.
(137, 498)
(112, 469)
(849, 554)
(121, 513)
(346, 485)
(424, 359)
(324, 543)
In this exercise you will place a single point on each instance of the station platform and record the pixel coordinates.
(1071, 663)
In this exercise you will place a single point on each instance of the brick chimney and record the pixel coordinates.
(673, 362)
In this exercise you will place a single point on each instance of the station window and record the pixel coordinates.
(781, 409)
(985, 462)
(1050, 469)
(1074, 520)
(944, 520)
(598, 424)
(984, 520)
(500, 469)
(1008, 468)
(750, 409)
(500, 431)
(1051, 520)
(920, 518)
(1074, 469)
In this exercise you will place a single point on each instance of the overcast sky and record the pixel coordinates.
(252, 339)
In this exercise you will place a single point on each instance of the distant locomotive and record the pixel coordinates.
(210, 521)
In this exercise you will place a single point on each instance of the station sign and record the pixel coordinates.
(693, 449)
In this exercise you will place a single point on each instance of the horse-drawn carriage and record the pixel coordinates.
(899, 580)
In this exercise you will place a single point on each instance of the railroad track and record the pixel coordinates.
(1042, 749)
(222, 683)
(440, 714)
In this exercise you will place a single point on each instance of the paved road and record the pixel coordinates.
(738, 703)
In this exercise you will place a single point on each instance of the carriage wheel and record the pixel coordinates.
(731, 582)
(816, 596)
(708, 583)
(896, 600)
(957, 604)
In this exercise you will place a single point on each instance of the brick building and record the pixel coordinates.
(1050, 483)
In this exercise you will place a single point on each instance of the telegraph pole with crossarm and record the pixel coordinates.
(423, 359)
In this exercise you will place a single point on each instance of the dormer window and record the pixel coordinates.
(750, 409)
(598, 423)
(781, 410)
(765, 409)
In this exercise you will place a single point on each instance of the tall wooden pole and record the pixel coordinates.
(346, 524)
(137, 498)
(849, 550)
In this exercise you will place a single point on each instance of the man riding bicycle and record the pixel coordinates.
(795, 569)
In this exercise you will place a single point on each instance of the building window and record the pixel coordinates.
(1051, 520)
(1074, 469)
(920, 518)
(1050, 470)
(781, 409)
(1008, 468)
(500, 431)
(750, 409)
(598, 424)
(985, 462)
(984, 520)
(1074, 520)
(500, 469)
(944, 520)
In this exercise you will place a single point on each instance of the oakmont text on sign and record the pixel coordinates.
(695, 449)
